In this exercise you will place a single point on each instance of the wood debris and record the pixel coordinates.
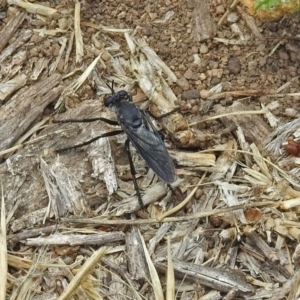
(226, 228)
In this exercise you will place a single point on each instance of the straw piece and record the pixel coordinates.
(78, 34)
(74, 86)
(156, 284)
(86, 269)
(258, 158)
(253, 125)
(76, 239)
(39, 66)
(154, 193)
(33, 8)
(52, 32)
(63, 42)
(184, 202)
(193, 159)
(170, 274)
(3, 249)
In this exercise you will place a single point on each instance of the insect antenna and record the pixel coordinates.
(111, 87)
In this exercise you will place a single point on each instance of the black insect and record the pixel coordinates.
(140, 131)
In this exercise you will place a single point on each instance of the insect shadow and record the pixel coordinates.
(141, 133)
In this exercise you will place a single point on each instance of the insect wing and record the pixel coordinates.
(153, 150)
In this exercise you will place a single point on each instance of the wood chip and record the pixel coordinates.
(10, 28)
(25, 107)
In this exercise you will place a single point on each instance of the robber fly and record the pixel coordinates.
(140, 131)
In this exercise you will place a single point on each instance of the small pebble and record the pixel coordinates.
(194, 49)
(189, 74)
(232, 17)
(202, 76)
(295, 57)
(190, 4)
(261, 47)
(213, 64)
(262, 61)
(234, 65)
(292, 71)
(291, 112)
(204, 94)
(215, 81)
(203, 49)
(252, 65)
(220, 10)
(292, 48)
(183, 83)
(283, 55)
(153, 16)
(216, 73)
(190, 94)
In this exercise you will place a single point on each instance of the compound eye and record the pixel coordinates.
(108, 101)
(123, 94)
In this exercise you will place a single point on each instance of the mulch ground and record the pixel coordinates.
(223, 88)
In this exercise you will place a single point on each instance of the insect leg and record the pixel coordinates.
(111, 133)
(171, 188)
(111, 122)
(163, 115)
(133, 173)
(161, 134)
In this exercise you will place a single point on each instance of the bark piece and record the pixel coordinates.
(21, 40)
(219, 279)
(10, 28)
(76, 239)
(203, 28)
(25, 107)
(136, 264)
(9, 87)
(254, 128)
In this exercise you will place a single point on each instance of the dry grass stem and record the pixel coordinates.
(88, 266)
(200, 215)
(74, 239)
(53, 32)
(238, 113)
(155, 280)
(78, 34)
(3, 248)
(32, 141)
(33, 8)
(74, 86)
(184, 202)
(193, 159)
(170, 291)
(38, 126)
